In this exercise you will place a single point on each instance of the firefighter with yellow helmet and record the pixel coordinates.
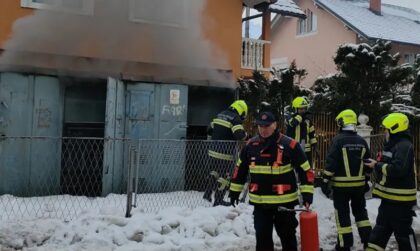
(396, 186)
(300, 127)
(227, 126)
(344, 180)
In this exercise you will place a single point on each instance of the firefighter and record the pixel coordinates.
(396, 186)
(270, 158)
(299, 126)
(346, 174)
(227, 126)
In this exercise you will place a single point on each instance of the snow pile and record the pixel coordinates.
(176, 228)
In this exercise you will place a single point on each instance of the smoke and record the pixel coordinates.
(158, 40)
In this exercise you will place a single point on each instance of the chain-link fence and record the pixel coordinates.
(62, 177)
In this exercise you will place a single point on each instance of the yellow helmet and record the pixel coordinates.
(241, 107)
(395, 122)
(346, 117)
(300, 102)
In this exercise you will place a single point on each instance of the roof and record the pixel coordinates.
(397, 24)
(287, 8)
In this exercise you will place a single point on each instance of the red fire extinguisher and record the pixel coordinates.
(308, 221)
(309, 239)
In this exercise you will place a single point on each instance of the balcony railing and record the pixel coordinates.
(253, 53)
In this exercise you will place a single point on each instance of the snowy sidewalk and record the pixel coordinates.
(220, 228)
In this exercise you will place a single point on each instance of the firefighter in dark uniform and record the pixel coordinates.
(396, 186)
(270, 159)
(346, 174)
(227, 126)
(300, 127)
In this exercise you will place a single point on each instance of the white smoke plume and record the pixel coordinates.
(156, 40)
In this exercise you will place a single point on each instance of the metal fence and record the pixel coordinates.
(44, 177)
(62, 177)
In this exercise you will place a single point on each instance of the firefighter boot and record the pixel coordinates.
(219, 198)
(211, 185)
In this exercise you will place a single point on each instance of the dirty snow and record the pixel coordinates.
(175, 228)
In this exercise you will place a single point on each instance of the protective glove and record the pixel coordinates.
(234, 198)
(325, 188)
(307, 199)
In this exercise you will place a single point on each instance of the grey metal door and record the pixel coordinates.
(112, 175)
(30, 106)
(173, 127)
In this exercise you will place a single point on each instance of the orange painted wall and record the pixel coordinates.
(221, 26)
(314, 51)
(10, 10)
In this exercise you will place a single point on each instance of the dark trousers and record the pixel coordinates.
(285, 224)
(354, 196)
(397, 219)
(223, 169)
(309, 157)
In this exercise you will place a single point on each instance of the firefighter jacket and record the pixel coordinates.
(270, 163)
(302, 130)
(344, 165)
(396, 172)
(227, 126)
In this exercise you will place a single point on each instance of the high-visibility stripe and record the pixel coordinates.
(394, 197)
(258, 169)
(340, 236)
(363, 223)
(348, 184)
(297, 133)
(220, 155)
(237, 127)
(354, 178)
(236, 187)
(344, 230)
(273, 199)
(238, 162)
(222, 122)
(374, 247)
(306, 189)
(298, 118)
(400, 191)
(312, 129)
(313, 141)
(328, 173)
(305, 166)
(384, 172)
(346, 162)
(362, 166)
(383, 180)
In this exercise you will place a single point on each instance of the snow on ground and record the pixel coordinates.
(174, 228)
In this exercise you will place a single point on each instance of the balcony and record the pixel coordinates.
(252, 56)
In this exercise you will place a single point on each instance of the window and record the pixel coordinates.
(162, 12)
(84, 7)
(410, 58)
(308, 25)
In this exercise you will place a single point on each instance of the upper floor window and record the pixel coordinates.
(410, 58)
(308, 25)
(84, 7)
(162, 12)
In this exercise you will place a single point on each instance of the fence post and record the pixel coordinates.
(130, 166)
(363, 129)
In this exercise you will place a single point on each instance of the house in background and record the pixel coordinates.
(313, 42)
(133, 69)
